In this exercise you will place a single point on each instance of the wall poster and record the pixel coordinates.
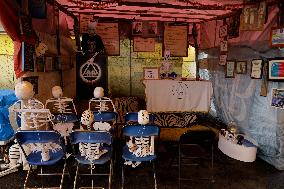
(143, 44)
(109, 33)
(175, 40)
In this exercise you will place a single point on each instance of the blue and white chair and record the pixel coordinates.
(140, 131)
(42, 148)
(90, 139)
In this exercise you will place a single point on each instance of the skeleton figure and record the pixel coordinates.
(64, 110)
(91, 151)
(141, 146)
(166, 65)
(101, 103)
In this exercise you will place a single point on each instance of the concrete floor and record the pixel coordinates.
(228, 174)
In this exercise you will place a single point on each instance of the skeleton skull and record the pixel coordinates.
(24, 90)
(99, 92)
(57, 92)
(143, 117)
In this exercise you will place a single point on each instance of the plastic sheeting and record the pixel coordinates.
(7, 98)
(238, 99)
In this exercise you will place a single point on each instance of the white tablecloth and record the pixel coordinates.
(178, 96)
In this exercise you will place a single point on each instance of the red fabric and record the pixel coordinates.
(10, 21)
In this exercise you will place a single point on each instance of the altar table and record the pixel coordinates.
(178, 96)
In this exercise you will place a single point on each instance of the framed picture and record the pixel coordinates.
(223, 32)
(137, 28)
(230, 69)
(241, 67)
(276, 69)
(223, 59)
(256, 69)
(277, 37)
(224, 46)
(233, 26)
(277, 99)
(151, 73)
(152, 28)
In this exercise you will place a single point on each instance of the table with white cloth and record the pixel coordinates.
(178, 96)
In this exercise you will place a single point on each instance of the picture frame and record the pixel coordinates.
(223, 59)
(152, 29)
(256, 68)
(223, 45)
(137, 28)
(241, 67)
(276, 69)
(223, 32)
(277, 99)
(277, 37)
(152, 73)
(230, 69)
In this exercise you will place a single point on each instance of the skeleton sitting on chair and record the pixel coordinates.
(90, 151)
(99, 102)
(28, 114)
(64, 112)
(141, 146)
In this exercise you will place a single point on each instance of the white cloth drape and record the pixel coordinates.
(178, 96)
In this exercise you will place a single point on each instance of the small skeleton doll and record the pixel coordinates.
(141, 146)
(91, 151)
(99, 102)
(64, 112)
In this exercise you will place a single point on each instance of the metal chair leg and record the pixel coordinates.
(63, 173)
(75, 180)
(122, 177)
(154, 170)
(179, 167)
(28, 174)
(110, 175)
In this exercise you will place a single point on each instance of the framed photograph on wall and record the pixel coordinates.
(223, 45)
(277, 37)
(230, 69)
(276, 69)
(241, 67)
(223, 59)
(256, 69)
(277, 99)
(137, 28)
(151, 73)
(223, 32)
(152, 28)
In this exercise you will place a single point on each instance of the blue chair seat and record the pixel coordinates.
(128, 156)
(35, 158)
(102, 160)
